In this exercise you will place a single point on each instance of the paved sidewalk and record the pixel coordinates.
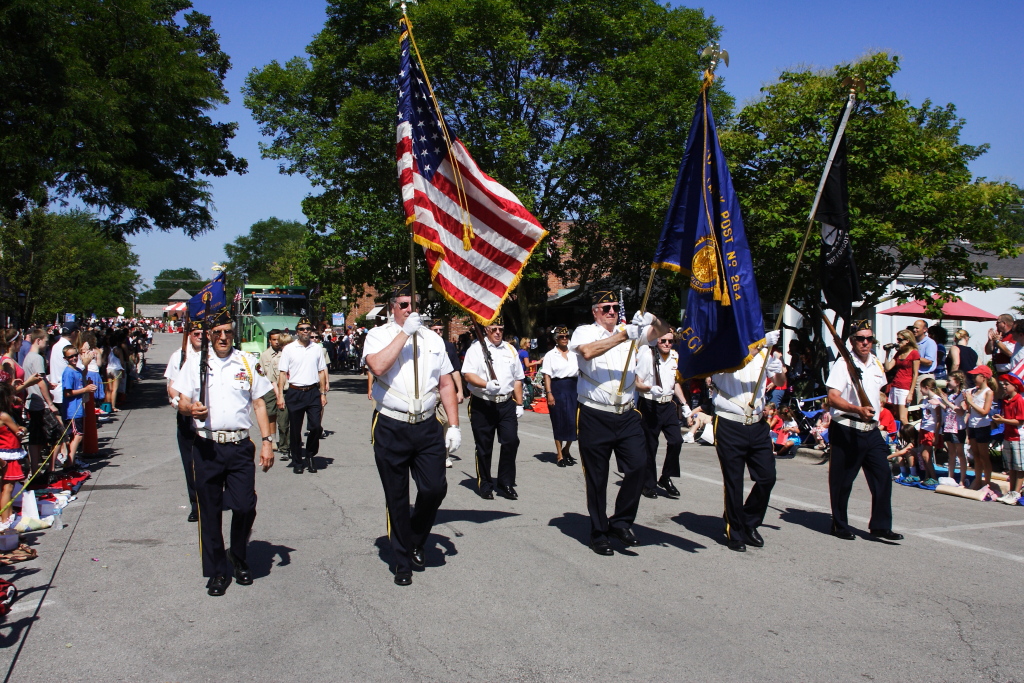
(511, 592)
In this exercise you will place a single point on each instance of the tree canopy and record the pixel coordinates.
(274, 252)
(581, 107)
(914, 204)
(107, 102)
(169, 281)
(64, 262)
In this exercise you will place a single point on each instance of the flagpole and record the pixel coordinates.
(855, 84)
(632, 343)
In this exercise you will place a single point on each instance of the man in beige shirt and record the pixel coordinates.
(276, 411)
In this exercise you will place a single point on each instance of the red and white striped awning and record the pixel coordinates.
(176, 308)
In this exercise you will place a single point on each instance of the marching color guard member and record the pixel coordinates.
(656, 381)
(186, 430)
(606, 418)
(222, 452)
(560, 369)
(406, 436)
(855, 439)
(743, 440)
(302, 380)
(496, 405)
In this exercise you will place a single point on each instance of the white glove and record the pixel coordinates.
(774, 366)
(492, 387)
(636, 332)
(519, 411)
(412, 323)
(452, 439)
(772, 338)
(642, 319)
(657, 391)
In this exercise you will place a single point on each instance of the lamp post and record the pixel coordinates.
(344, 310)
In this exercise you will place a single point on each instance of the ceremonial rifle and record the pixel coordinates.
(478, 328)
(204, 351)
(186, 329)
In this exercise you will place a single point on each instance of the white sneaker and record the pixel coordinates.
(1011, 498)
(687, 437)
(447, 462)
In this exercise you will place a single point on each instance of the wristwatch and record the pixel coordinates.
(269, 438)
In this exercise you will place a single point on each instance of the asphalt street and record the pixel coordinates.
(511, 592)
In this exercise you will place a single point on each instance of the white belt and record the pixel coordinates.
(657, 399)
(498, 398)
(859, 425)
(735, 417)
(411, 418)
(618, 409)
(226, 436)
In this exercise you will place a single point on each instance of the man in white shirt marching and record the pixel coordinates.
(607, 419)
(186, 431)
(302, 380)
(496, 406)
(405, 435)
(656, 381)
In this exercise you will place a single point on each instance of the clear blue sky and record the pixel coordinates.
(969, 54)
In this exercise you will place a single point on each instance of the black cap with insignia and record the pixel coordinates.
(604, 297)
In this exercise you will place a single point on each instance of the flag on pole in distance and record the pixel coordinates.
(214, 290)
(476, 235)
(839, 281)
(703, 237)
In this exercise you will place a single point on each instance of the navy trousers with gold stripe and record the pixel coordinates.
(600, 433)
(742, 447)
(186, 434)
(400, 448)
(486, 418)
(661, 418)
(852, 451)
(225, 476)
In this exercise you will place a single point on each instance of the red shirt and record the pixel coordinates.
(1000, 358)
(1013, 409)
(886, 420)
(905, 370)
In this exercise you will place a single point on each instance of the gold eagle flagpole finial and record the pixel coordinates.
(718, 56)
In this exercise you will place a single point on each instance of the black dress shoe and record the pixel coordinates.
(844, 534)
(737, 545)
(487, 495)
(193, 516)
(218, 585)
(311, 464)
(297, 466)
(403, 579)
(418, 559)
(755, 538)
(569, 460)
(243, 577)
(562, 462)
(508, 492)
(624, 535)
(649, 492)
(601, 546)
(887, 534)
(670, 489)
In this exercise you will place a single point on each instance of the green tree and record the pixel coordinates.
(64, 263)
(108, 102)
(581, 107)
(913, 200)
(168, 281)
(273, 252)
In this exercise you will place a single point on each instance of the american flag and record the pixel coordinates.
(238, 294)
(476, 248)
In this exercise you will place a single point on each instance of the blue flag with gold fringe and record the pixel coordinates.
(703, 237)
(214, 290)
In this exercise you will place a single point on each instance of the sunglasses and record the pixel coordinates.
(865, 340)
(404, 304)
(609, 308)
(664, 341)
(304, 328)
(562, 336)
(72, 355)
(493, 328)
(221, 333)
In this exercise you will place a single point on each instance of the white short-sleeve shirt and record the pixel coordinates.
(872, 379)
(232, 384)
(732, 391)
(666, 367)
(302, 363)
(399, 380)
(600, 377)
(557, 367)
(175, 361)
(508, 369)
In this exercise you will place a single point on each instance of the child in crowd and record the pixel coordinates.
(771, 416)
(931, 407)
(1011, 419)
(789, 433)
(11, 453)
(75, 389)
(978, 399)
(820, 429)
(886, 421)
(904, 453)
(954, 425)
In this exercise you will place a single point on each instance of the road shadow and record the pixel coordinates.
(474, 516)
(12, 631)
(574, 525)
(261, 556)
(436, 550)
(549, 457)
(351, 384)
(648, 536)
(322, 463)
(708, 526)
(815, 520)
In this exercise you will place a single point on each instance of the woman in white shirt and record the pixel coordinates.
(560, 370)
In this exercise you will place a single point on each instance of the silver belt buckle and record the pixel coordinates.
(221, 437)
(411, 418)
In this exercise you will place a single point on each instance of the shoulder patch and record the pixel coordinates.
(259, 370)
